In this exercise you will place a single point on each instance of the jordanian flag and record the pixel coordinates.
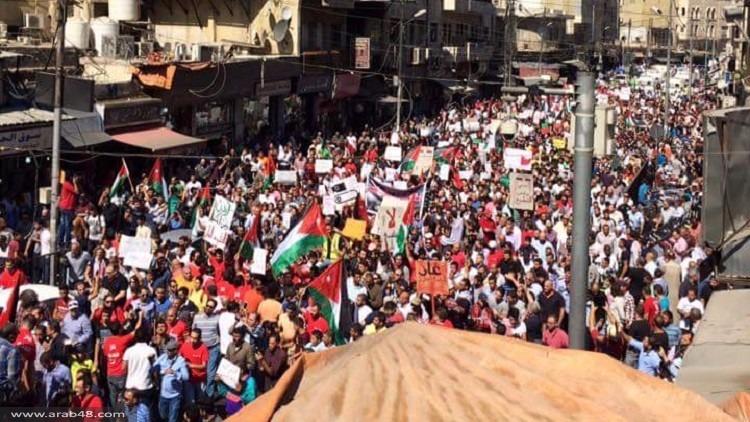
(156, 179)
(410, 161)
(122, 176)
(203, 199)
(328, 290)
(309, 233)
(251, 239)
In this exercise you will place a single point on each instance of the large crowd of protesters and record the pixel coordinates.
(150, 342)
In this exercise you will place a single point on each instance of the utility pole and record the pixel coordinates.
(510, 42)
(668, 78)
(692, 36)
(62, 8)
(583, 154)
(593, 25)
(400, 88)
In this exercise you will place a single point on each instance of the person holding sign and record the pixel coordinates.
(237, 395)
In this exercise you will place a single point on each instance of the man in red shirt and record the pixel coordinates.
(85, 399)
(61, 305)
(195, 354)
(116, 313)
(68, 194)
(113, 349)
(27, 347)
(314, 320)
(176, 328)
(554, 336)
(12, 276)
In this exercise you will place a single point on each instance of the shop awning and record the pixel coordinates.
(87, 129)
(158, 139)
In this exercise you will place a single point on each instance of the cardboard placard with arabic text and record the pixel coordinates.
(432, 277)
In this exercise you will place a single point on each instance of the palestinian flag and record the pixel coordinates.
(251, 239)
(9, 310)
(445, 155)
(329, 291)
(203, 199)
(156, 179)
(410, 161)
(122, 176)
(309, 233)
(401, 239)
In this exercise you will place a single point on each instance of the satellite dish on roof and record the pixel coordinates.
(286, 13)
(280, 30)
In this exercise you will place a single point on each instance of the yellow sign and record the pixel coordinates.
(559, 143)
(355, 229)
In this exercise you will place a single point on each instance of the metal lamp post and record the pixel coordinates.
(400, 88)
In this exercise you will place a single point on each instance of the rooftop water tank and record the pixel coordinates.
(103, 27)
(124, 10)
(77, 33)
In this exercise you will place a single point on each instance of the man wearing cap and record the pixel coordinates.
(173, 372)
(76, 326)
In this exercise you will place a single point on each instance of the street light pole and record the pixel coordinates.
(582, 157)
(62, 8)
(400, 88)
(669, 71)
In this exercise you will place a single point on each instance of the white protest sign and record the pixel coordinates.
(517, 159)
(286, 177)
(471, 125)
(229, 372)
(216, 235)
(423, 162)
(286, 219)
(390, 174)
(392, 153)
(494, 126)
(465, 174)
(445, 171)
(259, 261)
(222, 211)
(400, 184)
(329, 206)
(323, 166)
(136, 252)
(389, 218)
(351, 183)
(521, 191)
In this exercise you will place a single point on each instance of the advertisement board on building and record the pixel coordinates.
(362, 53)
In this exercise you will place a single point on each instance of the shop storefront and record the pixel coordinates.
(214, 120)
(24, 147)
(314, 89)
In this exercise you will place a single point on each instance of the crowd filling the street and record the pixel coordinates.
(186, 292)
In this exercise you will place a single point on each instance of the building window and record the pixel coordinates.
(447, 33)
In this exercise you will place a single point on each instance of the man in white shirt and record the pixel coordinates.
(227, 322)
(139, 358)
(361, 310)
(688, 303)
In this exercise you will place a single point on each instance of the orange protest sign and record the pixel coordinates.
(355, 229)
(432, 277)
